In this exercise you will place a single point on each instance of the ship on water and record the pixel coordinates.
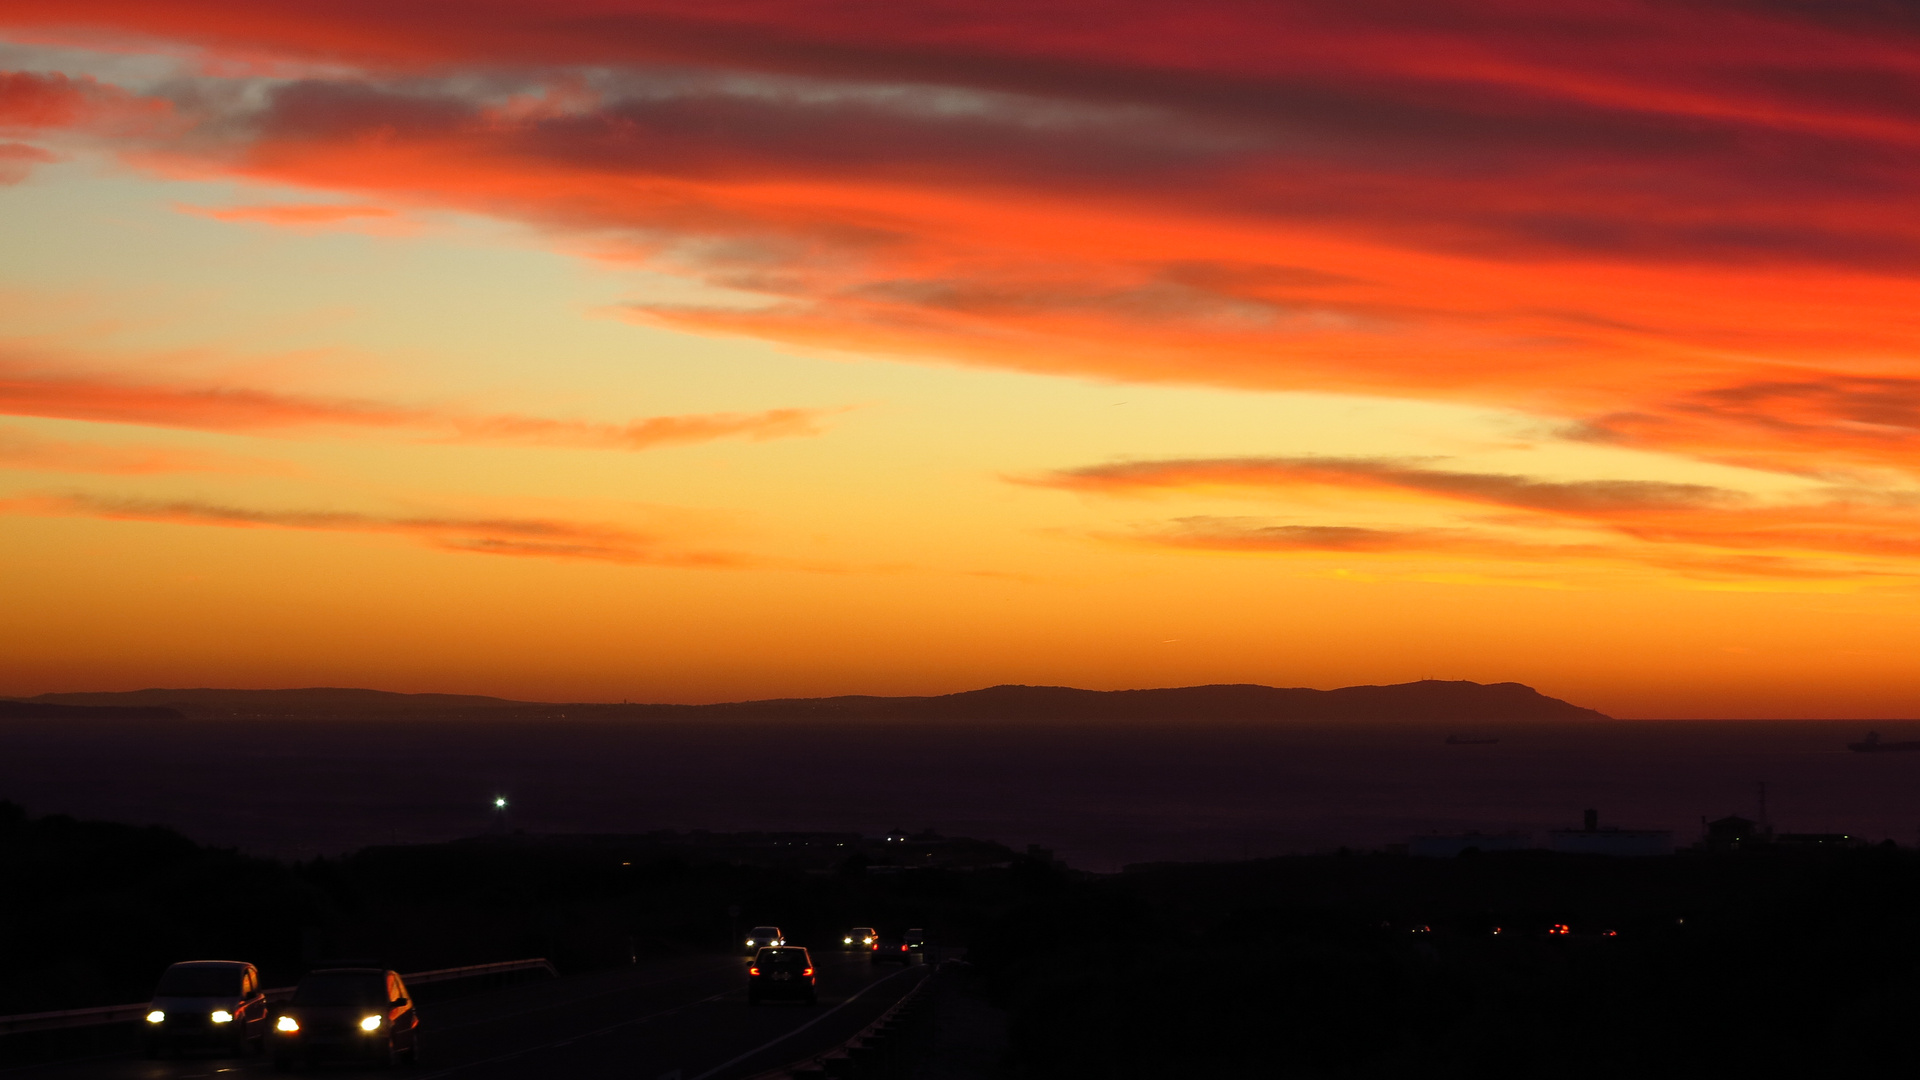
(1872, 744)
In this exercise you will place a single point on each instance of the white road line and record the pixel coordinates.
(576, 1000)
(570, 1039)
(775, 1042)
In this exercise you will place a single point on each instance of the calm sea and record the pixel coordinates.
(1101, 797)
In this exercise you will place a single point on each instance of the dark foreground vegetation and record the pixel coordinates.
(1755, 963)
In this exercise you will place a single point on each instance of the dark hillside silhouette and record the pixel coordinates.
(308, 702)
(41, 710)
(1429, 699)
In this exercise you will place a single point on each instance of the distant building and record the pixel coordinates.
(1591, 839)
(1449, 845)
(1814, 840)
(1733, 833)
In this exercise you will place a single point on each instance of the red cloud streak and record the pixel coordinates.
(256, 411)
(1626, 213)
(1675, 525)
(526, 537)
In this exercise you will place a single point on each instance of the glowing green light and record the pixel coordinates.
(499, 804)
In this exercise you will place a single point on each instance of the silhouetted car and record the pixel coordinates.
(207, 1003)
(781, 973)
(356, 1013)
(860, 937)
(916, 941)
(762, 936)
(891, 949)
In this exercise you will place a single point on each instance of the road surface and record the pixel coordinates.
(685, 1019)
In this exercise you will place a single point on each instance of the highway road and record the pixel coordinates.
(686, 1019)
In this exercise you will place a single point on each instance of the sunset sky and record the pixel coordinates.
(679, 351)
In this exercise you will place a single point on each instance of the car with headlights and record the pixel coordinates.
(916, 942)
(784, 972)
(761, 937)
(860, 937)
(207, 1004)
(890, 949)
(362, 1014)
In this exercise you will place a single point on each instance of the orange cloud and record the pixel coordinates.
(1803, 421)
(26, 451)
(1435, 547)
(241, 410)
(643, 434)
(227, 409)
(301, 215)
(18, 159)
(1609, 500)
(525, 537)
(1823, 534)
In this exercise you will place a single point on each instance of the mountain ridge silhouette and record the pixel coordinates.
(1427, 699)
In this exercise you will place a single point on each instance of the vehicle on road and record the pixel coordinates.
(761, 937)
(860, 937)
(916, 940)
(360, 1014)
(890, 949)
(785, 972)
(207, 1004)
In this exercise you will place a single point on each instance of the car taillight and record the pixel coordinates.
(808, 971)
(753, 971)
(903, 948)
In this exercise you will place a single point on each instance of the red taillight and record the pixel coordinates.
(809, 971)
(903, 948)
(753, 971)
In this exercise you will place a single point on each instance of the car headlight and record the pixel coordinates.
(221, 1016)
(866, 941)
(370, 1023)
(156, 1017)
(749, 943)
(846, 941)
(287, 1023)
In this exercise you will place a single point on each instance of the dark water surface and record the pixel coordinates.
(1102, 797)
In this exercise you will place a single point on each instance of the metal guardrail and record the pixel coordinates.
(474, 971)
(71, 1018)
(125, 1014)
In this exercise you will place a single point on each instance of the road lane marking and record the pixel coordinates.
(571, 1039)
(576, 1000)
(847, 962)
(802, 1027)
